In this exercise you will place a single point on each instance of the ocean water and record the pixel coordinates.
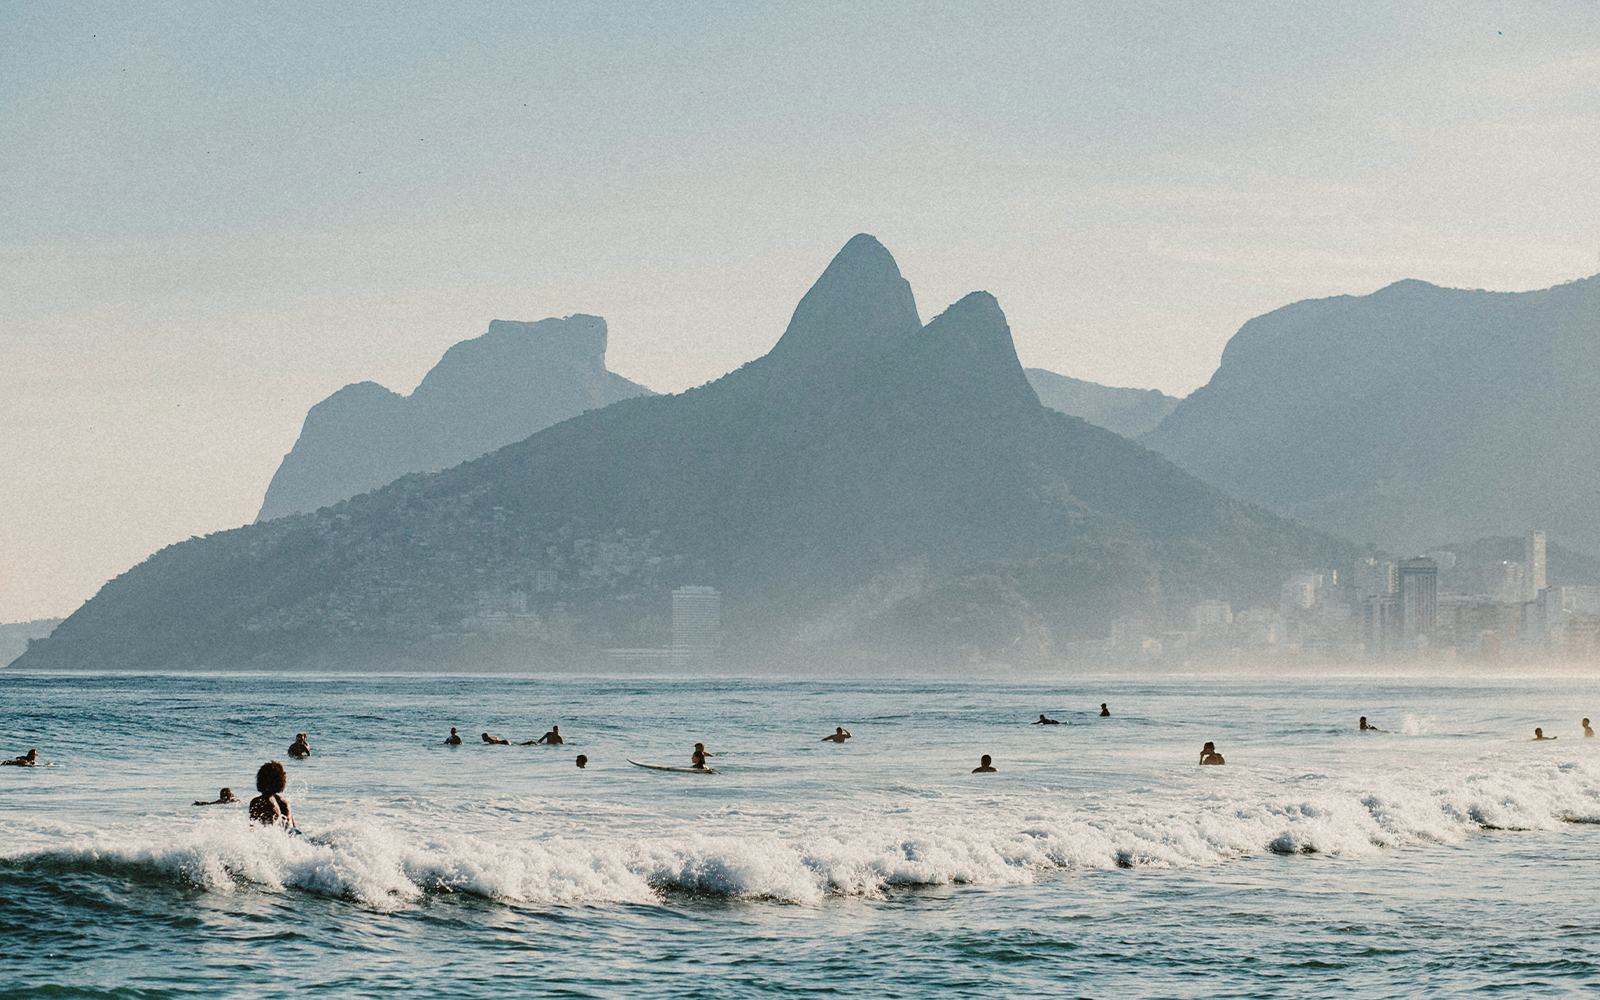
(1450, 856)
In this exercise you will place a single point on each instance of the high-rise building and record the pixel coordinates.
(1374, 578)
(1419, 599)
(696, 620)
(1533, 575)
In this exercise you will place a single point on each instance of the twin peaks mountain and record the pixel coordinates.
(1410, 417)
(483, 394)
(872, 490)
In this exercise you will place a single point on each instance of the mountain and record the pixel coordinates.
(872, 489)
(1409, 416)
(1129, 412)
(484, 393)
(15, 636)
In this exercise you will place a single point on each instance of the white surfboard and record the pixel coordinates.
(679, 770)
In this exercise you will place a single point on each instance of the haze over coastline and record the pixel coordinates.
(218, 218)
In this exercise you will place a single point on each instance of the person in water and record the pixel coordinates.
(583, 761)
(1045, 722)
(454, 739)
(552, 738)
(224, 798)
(985, 766)
(1538, 735)
(1370, 729)
(29, 759)
(300, 748)
(1587, 732)
(1209, 755)
(1105, 713)
(698, 758)
(270, 808)
(496, 740)
(839, 735)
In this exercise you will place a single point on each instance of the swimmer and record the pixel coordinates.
(583, 762)
(985, 766)
(300, 748)
(453, 740)
(1538, 736)
(495, 740)
(270, 808)
(224, 798)
(698, 758)
(552, 738)
(839, 735)
(1370, 729)
(1587, 732)
(1209, 755)
(1045, 722)
(29, 759)
(1105, 713)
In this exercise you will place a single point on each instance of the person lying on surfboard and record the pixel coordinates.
(497, 741)
(1045, 722)
(698, 758)
(224, 798)
(29, 759)
(837, 736)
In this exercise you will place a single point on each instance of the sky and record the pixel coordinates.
(213, 216)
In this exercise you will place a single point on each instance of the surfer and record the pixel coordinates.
(698, 758)
(1105, 713)
(1045, 722)
(1538, 736)
(300, 748)
(839, 735)
(552, 738)
(1587, 732)
(495, 740)
(1370, 729)
(29, 759)
(224, 798)
(454, 739)
(984, 766)
(270, 808)
(1209, 755)
(583, 761)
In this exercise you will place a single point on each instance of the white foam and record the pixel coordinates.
(804, 855)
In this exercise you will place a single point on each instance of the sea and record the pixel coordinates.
(1449, 855)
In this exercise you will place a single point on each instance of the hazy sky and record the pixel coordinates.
(212, 216)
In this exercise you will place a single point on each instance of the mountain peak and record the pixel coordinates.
(860, 301)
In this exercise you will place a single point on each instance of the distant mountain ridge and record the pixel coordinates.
(1409, 416)
(1129, 412)
(872, 487)
(484, 393)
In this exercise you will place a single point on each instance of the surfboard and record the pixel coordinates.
(679, 770)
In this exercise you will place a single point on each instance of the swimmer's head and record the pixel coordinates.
(226, 795)
(271, 779)
(583, 761)
(985, 761)
(840, 729)
(1209, 746)
(1538, 732)
(555, 729)
(699, 746)
(452, 730)
(33, 754)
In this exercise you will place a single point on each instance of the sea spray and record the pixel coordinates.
(388, 861)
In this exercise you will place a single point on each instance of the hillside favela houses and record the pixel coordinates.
(1445, 605)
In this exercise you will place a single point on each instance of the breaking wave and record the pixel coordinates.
(390, 861)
